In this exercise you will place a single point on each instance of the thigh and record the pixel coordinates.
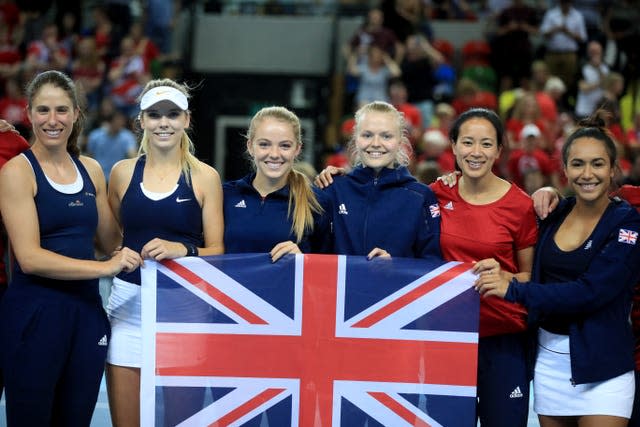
(601, 421)
(503, 381)
(123, 388)
(79, 384)
(553, 421)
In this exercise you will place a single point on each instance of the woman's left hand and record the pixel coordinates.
(284, 248)
(159, 249)
(490, 283)
(377, 252)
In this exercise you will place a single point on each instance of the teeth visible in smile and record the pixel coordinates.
(474, 165)
(163, 134)
(588, 186)
(274, 166)
(375, 153)
(52, 133)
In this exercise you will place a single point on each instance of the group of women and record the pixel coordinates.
(572, 286)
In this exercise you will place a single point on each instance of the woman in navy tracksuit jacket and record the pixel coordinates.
(379, 209)
(586, 264)
(275, 209)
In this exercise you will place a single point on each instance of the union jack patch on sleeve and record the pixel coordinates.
(434, 210)
(627, 236)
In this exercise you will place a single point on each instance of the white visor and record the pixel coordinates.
(164, 93)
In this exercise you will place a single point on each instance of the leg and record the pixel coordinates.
(554, 421)
(123, 388)
(79, 384)
(503, 381)
(602, 421)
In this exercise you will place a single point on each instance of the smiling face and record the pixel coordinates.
(589, 169)
(476, 148)
(378, 139)
(164, 124)
(52, 115)
(273, 148)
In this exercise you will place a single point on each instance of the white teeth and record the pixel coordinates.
(273, 166)
(53, 133)
(163, 135)
(375, 153)
(588, 186)
(474, 165)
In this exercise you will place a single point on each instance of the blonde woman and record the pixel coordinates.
(274, 209)
(169, 205)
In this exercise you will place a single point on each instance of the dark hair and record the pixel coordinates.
(592, 127)
(478, 113)
(62, 81)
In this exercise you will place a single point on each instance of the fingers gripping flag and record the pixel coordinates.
(311, 340)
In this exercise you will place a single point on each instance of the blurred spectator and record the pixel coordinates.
(374, 75)
(427, 171)
(590, 84)
(144, 46)
(13, 106)
(592, 12)
(529, 166)
(403, 17)
(418, 74)
(612, 87)
(159, 22)
(451, 10)
(46, 53)
(633, 134)
(564, 29)
(9, 19)
(623, 34)
(10, 56)
(111, 143)
(371, 32)
(102, 32)
(413, 118)
(549, 98)
(435, 147)
(445, 73)
(119, 13)
(633, 177)
(127, 76)
(526, 111)
(69, 32)
(512, 51)
(88, 72)
(469, 95)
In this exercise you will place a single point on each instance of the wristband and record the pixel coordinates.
(191, 249)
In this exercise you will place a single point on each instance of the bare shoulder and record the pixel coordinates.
(205, 174)
(17, 167)
(90, 164)
(123, 170)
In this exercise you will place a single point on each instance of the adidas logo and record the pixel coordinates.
(588, 245)
(449, 205)
(103, 341)
(241, 204)
(342, 209)
(516, 393)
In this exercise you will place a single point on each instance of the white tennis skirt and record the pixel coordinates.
(125, 313)
(554, 394)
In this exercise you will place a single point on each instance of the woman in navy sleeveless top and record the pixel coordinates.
(169, 205)
(53, 331)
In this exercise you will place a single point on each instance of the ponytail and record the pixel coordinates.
(303, 202)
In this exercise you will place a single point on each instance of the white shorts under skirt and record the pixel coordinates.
(555, 395)
(125, 313)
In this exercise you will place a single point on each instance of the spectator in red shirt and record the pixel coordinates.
(530, 167)
(47, 53)
(13, 106)
(398, 96)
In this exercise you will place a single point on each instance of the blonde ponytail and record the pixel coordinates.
(304, 204)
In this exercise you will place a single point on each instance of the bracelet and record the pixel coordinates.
(191, 249)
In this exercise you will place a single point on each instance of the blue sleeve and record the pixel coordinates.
(613, 271)
(428, 239)
(321, 239)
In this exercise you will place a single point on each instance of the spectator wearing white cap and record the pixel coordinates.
(529, 166)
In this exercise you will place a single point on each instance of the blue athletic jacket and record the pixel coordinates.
(254, 224)
(600, 338)
(391, 211)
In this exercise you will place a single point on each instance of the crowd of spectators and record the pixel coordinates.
(109, 48)
(541, 66)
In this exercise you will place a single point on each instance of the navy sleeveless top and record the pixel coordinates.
(177, 217)
(67, 225)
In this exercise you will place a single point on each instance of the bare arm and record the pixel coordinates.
(17, 191)
(207, 181)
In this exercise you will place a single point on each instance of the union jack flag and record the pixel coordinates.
(434, 210)
(627, 236)
(311, 340)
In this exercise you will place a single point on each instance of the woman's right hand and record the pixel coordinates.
(123, 259)
(450, 179)
(325, 178)
(545, 200)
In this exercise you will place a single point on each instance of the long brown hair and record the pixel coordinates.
(302, 201)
